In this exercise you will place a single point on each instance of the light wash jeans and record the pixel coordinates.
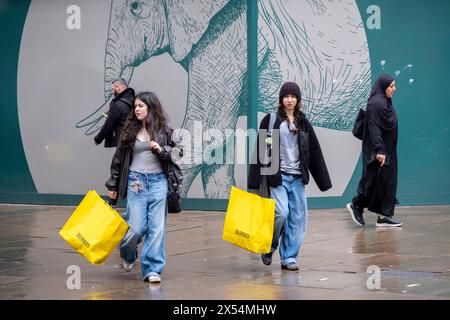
(291, 217)
(146, 214)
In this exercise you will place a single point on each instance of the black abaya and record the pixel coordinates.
(378, 185)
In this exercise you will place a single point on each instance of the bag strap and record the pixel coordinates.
(272, 118)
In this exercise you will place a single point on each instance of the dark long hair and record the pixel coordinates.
(156, 121)
(298, 114)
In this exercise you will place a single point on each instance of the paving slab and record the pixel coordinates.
(336, 260)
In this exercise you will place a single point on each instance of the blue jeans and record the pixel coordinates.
(291, 217)
(146, 214)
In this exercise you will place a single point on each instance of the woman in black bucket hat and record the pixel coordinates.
(296, 152)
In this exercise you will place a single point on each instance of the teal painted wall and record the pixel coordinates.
(417, 33)
(15, 177)
(412, 32)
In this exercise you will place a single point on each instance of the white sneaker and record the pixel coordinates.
(127, 266)
(154, 279)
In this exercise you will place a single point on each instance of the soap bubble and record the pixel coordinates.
(411, 81)
(397, 72)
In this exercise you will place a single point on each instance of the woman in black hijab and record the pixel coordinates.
(378, 185)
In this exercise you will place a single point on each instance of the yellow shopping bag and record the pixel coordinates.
(249, 221)
(94, 229)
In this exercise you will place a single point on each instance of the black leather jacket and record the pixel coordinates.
(121, 161)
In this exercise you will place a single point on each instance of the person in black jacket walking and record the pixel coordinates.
(119, 108)
(299, 154)
(377, 187)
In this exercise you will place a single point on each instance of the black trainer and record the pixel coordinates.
(356, 213)
(267, 258)
(388, 222)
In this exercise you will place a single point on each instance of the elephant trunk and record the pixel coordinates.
(116, 66)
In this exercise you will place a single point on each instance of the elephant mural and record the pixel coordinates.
(319, 44)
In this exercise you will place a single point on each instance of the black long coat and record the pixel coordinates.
(378, 185)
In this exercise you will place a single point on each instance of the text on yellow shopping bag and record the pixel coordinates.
(94, 229)
(249, 221)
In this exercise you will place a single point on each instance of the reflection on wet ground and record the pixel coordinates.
(338, 260)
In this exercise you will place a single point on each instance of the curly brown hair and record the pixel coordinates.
(156, 121)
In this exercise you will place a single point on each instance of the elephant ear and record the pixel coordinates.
(187, 22)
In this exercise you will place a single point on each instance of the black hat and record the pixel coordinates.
(290, 88)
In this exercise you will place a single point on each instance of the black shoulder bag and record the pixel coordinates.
(358, 127)
(175, 178)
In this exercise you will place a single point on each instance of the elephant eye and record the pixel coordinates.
(136, 7)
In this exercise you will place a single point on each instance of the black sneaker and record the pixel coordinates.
(388, 222)
(357, 214)
(267, 258)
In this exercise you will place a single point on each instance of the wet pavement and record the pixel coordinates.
(338, 260)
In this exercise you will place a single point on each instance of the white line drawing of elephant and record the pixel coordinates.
(319, 44)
